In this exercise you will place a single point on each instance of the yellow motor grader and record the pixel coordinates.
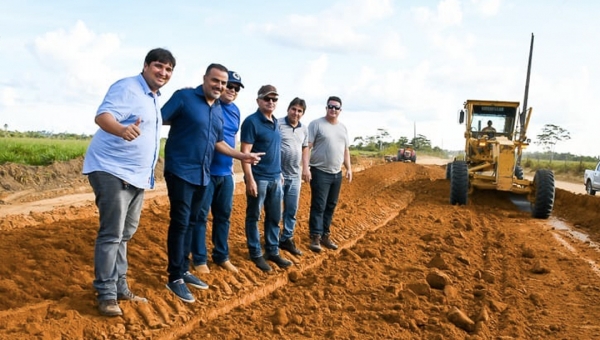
(495, 137)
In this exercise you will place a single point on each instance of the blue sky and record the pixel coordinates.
(395, 64)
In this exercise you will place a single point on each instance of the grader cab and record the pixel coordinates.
(495, 138)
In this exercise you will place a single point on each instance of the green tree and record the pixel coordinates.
(550, 136)
(421, 142)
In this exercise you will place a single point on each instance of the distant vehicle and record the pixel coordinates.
(591, 179)
(407, 154)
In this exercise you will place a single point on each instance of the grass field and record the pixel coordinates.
(44, 151)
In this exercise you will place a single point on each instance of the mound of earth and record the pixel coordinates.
(410, 266)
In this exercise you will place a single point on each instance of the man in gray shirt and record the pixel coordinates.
(294, 144)
(328, 139)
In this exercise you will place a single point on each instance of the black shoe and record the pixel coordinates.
(279, 261)
(315, 243)
(327, 242)
(290, 246)
(261, 264)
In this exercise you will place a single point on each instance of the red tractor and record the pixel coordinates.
(407, 154)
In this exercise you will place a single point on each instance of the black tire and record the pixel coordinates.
(588, 188)
(414, 159)
(543, 182)
(448, 171)
(459, 183)
(519, 172)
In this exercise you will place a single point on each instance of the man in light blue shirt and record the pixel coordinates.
(120, 163)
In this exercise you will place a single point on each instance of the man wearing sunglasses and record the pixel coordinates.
(260, 133)
(329, 144)
(218, 196)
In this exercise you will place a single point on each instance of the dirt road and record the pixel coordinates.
(410, 266)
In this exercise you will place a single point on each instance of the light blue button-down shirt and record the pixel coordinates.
(133, 162)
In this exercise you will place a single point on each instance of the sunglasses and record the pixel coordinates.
(271, 99)
(333, 107)
(233, 87)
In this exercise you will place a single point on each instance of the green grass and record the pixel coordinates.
(572, 168)
(45, 151)
(40, 151)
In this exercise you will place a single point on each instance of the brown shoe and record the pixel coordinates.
(202, 269)
(228, 266)
(315, 243)
(129, 296)
(109, 308)
(327, 242)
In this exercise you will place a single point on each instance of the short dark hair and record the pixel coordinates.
(217, 66)
(161, 55)
(298, 101)
(334, 98)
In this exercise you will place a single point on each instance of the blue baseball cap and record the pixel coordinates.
(235, 78)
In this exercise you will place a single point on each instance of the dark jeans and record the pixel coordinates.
(218, 198)
(119, 206)
(185, 199)
(325, 191)
(269, 196)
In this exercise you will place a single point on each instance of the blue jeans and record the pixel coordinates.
(185, 199)
(269, 196)
(325, 191)
(218, 198)
(119, 206)
(291, 196)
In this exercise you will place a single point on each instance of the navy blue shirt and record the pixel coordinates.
(195, 128)
(264, 136)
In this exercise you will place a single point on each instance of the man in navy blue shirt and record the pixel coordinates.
(196, 132)
(260, 133)
(218, 197)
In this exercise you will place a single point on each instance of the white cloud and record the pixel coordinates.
(448, 13)
(340, 28)
(487, 7)
(312, 83)
(76, 59)
(8, 96)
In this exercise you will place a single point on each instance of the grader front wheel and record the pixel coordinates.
(459, 183)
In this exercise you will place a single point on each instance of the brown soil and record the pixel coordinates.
(410, 266)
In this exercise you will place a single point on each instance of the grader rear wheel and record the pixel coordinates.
(543, 182)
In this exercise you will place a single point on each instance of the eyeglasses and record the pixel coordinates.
(270, 99)
(333, 107)
(233, 87)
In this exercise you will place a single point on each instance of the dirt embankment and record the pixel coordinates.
(410, 266)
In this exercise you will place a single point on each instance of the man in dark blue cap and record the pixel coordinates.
(218, 197)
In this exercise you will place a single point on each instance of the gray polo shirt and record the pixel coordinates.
(293, 139)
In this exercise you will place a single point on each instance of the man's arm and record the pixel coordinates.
(251, 188)
(245, 157)
(306, 176)
(347, 164)
(108, 123)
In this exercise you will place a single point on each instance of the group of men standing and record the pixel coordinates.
(204, 121)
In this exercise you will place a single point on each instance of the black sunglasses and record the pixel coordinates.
(271, 99)
(234, 87)
(333, 107)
